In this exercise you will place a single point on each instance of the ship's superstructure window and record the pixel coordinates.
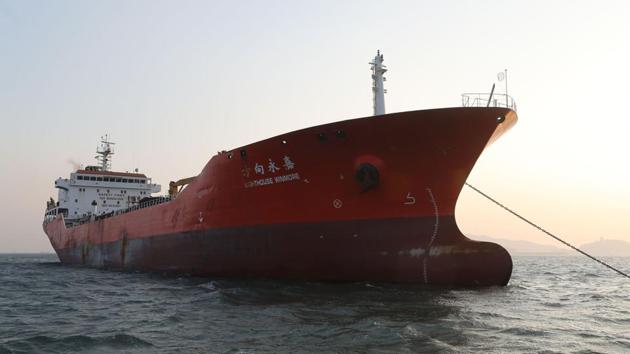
(100, 179)
(80, 177)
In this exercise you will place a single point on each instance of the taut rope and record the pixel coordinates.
(547, 232)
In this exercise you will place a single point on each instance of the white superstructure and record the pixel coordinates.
(378, 69)
(96, 190)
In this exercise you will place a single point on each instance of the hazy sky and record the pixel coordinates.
(173, 82)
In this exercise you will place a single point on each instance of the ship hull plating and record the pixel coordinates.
(366, 199)
(374, 250)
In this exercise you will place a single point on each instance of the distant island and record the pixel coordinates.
(610, 248)
(603, 247)
(525, 248)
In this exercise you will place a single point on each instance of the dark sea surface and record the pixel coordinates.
(552, 304)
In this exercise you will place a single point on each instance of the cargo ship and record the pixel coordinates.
(366, 199)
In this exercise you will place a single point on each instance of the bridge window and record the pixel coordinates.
(80, 177)
(118, 180)
(92, 178)
(100, 179)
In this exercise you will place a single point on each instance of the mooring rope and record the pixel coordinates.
(547, 232)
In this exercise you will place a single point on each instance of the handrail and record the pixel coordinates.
(146, 204)
(487, 100)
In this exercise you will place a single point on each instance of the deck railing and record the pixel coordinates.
(485, 100)
(89, 218)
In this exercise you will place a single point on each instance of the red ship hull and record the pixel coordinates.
(365, 199)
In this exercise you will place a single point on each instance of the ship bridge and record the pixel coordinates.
(95, 190)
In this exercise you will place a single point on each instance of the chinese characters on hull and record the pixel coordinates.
(272, 170)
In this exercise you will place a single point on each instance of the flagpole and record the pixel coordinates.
(506, 91)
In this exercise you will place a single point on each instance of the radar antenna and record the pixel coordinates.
(105, 152)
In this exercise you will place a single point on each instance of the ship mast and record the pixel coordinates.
(378, 69)
(104, 152)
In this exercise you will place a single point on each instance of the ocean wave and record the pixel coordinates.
(61, 309)
(75, 343)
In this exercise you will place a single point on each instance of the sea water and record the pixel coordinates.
(551, 305)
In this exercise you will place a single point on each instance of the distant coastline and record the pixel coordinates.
(601, 248)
